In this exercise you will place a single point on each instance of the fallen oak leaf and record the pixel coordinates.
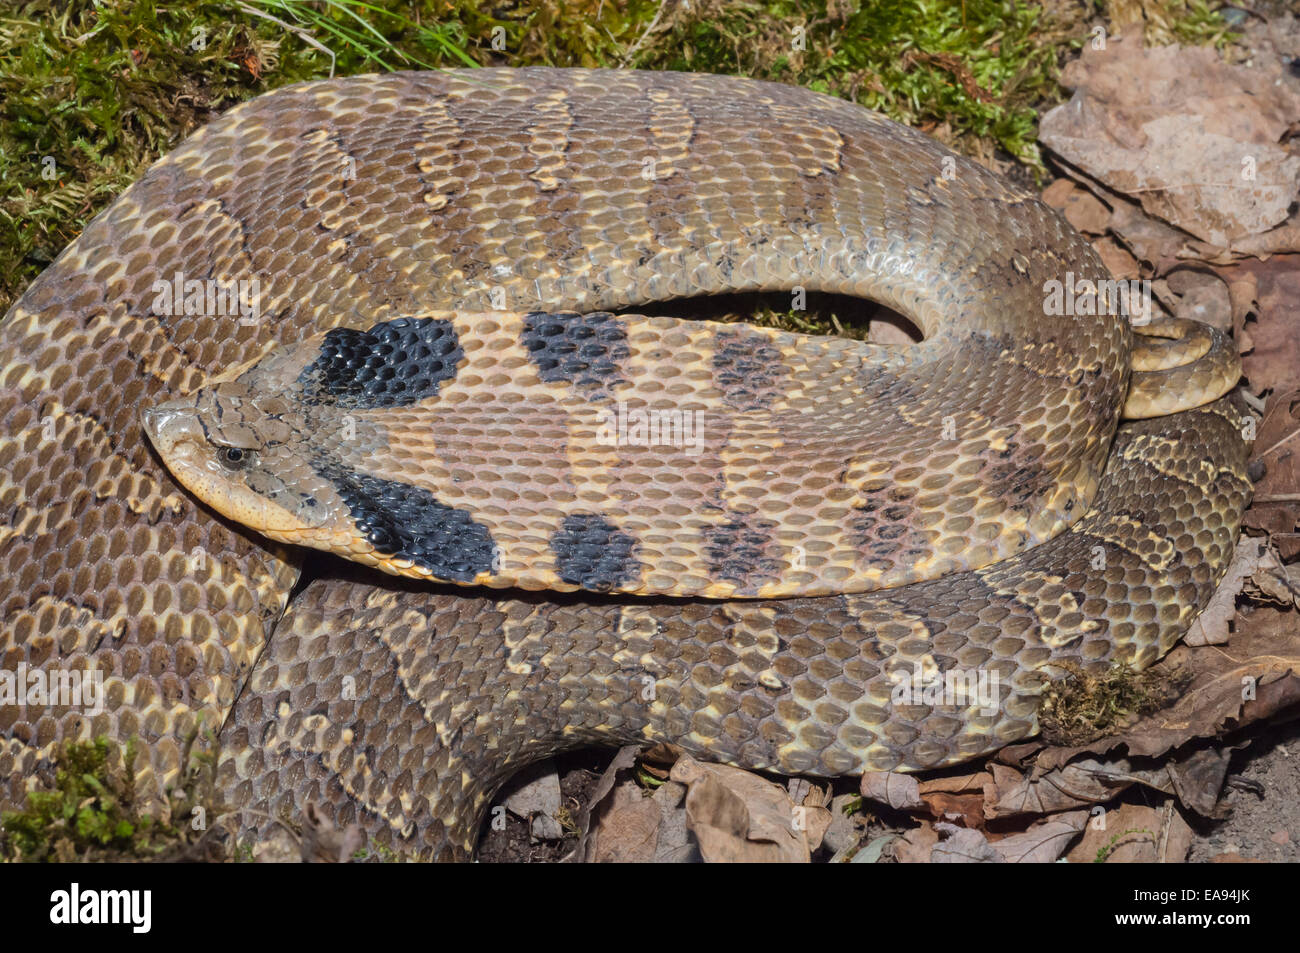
(915, 845)
(1274, 583)
(899, 791)
(1211, 626)
(628, 827)
(973, 783)
(1081, 208)
(1196, 778)
(961, 845)
(1169, 126)
(968, 809)
(813, 813)
(1134, 833)
(1272, 333)
(1276, 505)
(1044, 842)
(738, 816)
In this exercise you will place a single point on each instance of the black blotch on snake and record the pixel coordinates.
(591, 552)
(395, 364)
(410, 523)
(739, 551)
(749, 371)
(584, 350)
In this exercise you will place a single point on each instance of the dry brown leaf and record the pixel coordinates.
(915, 845)
(1080, 207)
(1117, 259)
(899, 791)
(622, 824)
(958, 798)
(1197, 295)
(1283, 240)
(1271, 364)
(1157, 246)
(1196, 778)
(1058, 193)
(588, 834)
(634, 828)
(1274, 583)
(816, 816)
(1190, 137)
(1043, 842)
(1243, 289)
(973, 783)
(1138, 246)
(677, 845)
(739, 817)
(1019, 755)
(1063, 788)
(1212, 625)
(964, 809)
(1276, 507)
(628, 828)
(1134, 833)
(961, 845)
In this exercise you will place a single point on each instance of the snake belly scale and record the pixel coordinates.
(379, 205)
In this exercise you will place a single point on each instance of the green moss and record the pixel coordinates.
(1084, 706)
(380, 853)
(93, 91)
(977, 66)
(94, 811)
(1188, 22)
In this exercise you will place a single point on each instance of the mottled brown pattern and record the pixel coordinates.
(404, 706)
(796, 685)
(741, 551)
(749, 371)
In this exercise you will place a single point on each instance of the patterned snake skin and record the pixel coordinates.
(503, 449)
(402, 705)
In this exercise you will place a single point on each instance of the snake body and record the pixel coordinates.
(509, 211)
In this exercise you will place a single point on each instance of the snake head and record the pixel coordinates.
(283, 449)
(242, 447)
(224, 446)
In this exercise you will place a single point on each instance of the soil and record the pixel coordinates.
(1264, 823)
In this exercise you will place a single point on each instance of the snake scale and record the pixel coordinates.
(970, 505)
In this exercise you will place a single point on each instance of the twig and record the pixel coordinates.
(1289, 437)
(296, 31)
(627, 58)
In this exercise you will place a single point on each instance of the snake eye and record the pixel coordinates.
(233, 457)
